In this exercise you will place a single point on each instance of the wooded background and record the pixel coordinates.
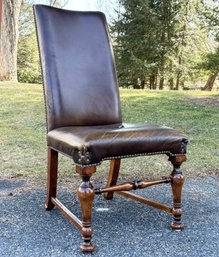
(158, 44)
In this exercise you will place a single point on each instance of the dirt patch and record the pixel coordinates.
(211, 101)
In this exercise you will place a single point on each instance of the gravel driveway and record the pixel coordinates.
(121, 227)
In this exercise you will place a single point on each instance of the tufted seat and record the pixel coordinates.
(83, 116)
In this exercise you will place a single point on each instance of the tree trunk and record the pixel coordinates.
(152, 82)
(155, 80)
(0, 16)
(171, 83)
(161, 84)
(9, 39)
(210, 83)
(178, 74)
(142, 84)
(135, 84)
(177, 81)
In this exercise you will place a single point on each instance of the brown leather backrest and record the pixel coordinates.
(80, 83)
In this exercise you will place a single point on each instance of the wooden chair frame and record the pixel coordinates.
(86, 193)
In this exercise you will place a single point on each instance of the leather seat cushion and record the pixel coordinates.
(90, 145)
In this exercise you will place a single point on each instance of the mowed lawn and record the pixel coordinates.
(23, 151)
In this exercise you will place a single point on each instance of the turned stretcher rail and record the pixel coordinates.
(132, 185)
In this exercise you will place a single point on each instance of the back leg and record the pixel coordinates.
(113, 176)
(51, 177)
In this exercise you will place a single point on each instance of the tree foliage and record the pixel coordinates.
(158, 43)
(210, 61)
(28, 57)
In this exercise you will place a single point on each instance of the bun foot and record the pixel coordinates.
(177, 226)
(87, 247)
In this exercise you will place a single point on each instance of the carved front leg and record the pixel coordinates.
(177, 183)
(86, 197)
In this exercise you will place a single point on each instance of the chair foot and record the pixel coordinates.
(177, 212)
(177, 225)
(87, 247)
(49, 205)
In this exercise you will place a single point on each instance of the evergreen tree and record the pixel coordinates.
(211, 60)
(158, 42)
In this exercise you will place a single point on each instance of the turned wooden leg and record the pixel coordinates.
(86, 197)
(177, 183)
(113, 176)
(51, 177)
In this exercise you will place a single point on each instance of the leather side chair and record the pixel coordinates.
(84, 117)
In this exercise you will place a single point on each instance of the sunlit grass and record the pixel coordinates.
(200, 123)
(23, 135)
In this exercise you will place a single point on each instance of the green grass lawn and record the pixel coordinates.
(23, 136)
